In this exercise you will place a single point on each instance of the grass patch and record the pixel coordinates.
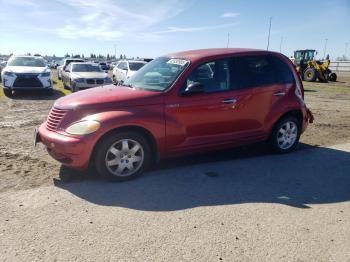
(59, 84)
(327, 87)
(2, 95)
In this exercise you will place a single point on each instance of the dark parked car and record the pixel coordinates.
(181, 103)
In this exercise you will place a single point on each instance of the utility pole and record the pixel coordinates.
(268, 38)
(115, 51)
(228, 40)
(281, 44)
(325, 48)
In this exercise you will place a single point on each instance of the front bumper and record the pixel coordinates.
(86, 85)
(70, 151)
(27, 82)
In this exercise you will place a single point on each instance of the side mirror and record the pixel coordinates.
(194, 88)
(66, 70)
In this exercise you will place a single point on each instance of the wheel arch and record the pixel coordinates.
(297, 113)
(131, 128)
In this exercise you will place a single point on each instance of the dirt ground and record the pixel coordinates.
(23, 167)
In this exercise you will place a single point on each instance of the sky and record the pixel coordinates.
(151, 28)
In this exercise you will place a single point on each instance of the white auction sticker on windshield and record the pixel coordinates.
(180, 62)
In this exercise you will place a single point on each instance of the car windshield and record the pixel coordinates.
(158, 75)
(27, 61)
(85, 68)
(134, 66)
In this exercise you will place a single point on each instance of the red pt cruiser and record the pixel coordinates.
(178, 104)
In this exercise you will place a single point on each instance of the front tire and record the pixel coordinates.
(8, 92)
(122, 156)
(285, 135)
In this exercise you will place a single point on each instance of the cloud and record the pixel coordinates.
(173, 29)
(110, 20)
(229, 15)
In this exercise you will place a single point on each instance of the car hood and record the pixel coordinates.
(110, 96)
(89, 75)
(27, 69)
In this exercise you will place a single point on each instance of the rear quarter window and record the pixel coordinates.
(283, 71)
(262, 70)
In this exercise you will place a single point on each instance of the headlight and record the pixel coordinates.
(46, 74)
(6, 73)
(83, 128)
(79, 80)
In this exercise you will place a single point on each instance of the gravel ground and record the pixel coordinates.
(293, 207)
(49, 212)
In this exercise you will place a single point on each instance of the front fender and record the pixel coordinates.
(150, 119)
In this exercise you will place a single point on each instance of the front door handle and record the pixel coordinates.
(280, 93)
(229, 101)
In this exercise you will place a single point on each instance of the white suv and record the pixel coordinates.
(124, 69)
(26, 73)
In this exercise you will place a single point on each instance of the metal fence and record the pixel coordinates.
(341, 66)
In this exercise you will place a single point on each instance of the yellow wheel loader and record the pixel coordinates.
(310, 69)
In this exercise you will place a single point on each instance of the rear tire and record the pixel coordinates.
(285, 135)
(310, 75)
(122, 156)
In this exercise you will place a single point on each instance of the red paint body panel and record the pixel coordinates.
(179, 124)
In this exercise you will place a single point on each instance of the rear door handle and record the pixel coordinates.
(279, 93)
(229, 101)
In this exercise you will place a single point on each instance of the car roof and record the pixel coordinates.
(73, 59)
(27, 56)
(195, 55)
(83, 63)
(133, 61)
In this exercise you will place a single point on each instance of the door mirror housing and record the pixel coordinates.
(194, 88)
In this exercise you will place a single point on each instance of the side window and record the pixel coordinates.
(283, 73)
(255, 71)
(123, 66)
(214, 76)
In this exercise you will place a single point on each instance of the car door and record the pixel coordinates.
(267, 80)
(210, 119)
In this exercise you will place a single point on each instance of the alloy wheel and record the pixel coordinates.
(124, 158)
(287, 135)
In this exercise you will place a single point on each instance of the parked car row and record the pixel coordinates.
(34, 73)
